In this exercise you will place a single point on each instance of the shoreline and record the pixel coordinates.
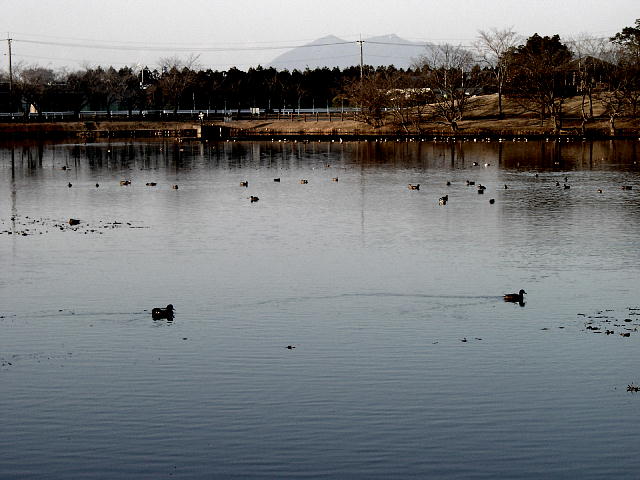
(304, 128)
(480, 121)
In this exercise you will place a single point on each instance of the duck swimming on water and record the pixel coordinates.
(161, 313)
(515, 297)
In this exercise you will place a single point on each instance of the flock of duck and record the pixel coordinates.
(167, 313)
(436, 139)
(124, 183)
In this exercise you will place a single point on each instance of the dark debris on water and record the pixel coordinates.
(609, 322)
(27, 226)
(12, 360)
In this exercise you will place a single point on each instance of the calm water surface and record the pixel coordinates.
(375, 285)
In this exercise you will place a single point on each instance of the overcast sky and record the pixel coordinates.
(245, 33)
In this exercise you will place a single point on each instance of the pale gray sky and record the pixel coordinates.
(245, 33)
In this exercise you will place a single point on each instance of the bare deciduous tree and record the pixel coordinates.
(407, 101)
(623, 94)
(32, 83)
(589, 68)
(449, 74)
(493, 46)
(177, 76)
(371, 95)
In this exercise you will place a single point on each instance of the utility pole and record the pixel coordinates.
(10, 70)
(361, 58)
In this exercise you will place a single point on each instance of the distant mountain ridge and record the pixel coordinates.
(331, 51)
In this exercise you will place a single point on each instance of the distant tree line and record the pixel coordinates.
(539, 74)
(176, 85)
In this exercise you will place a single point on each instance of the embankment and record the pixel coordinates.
(312, 127)
(98, 129)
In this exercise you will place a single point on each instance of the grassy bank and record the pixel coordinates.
(480, 120)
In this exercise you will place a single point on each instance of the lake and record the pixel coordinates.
(405, 360)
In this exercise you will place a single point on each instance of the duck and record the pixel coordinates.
(443, 200)
(74, 221)
(334, 179)
(151, 184)
(159, 313)
(244, 184)
(175, 187)
(304, 182)
(515, 297)
(492, 201)
(124, 183)
(415, 186)
(276, 179)
(253, 199)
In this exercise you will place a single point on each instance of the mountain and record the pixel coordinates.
(331, 51)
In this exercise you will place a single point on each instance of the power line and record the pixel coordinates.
(306, 59)
(193, 48)
(421, 45)
(130, 42)
(78, 60)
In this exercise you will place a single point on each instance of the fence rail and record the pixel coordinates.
(180, 115)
